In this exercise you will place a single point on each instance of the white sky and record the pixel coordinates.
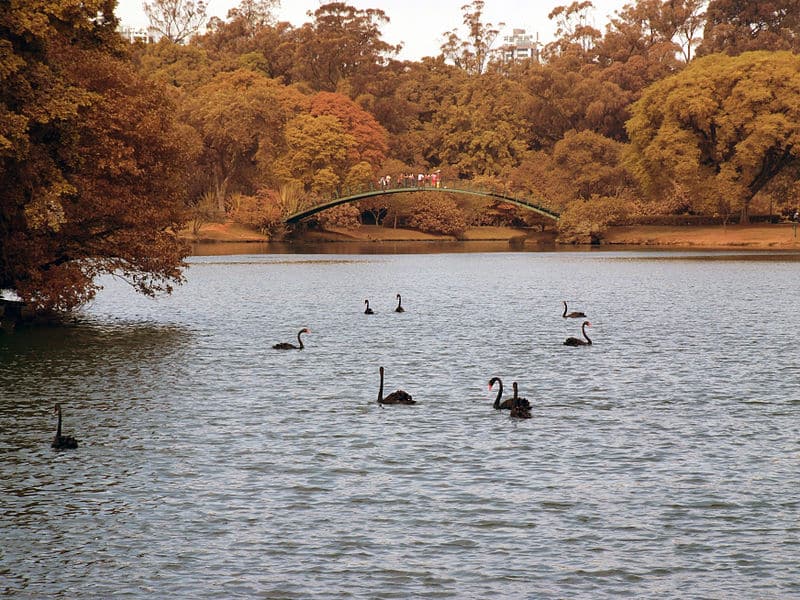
(417, 24)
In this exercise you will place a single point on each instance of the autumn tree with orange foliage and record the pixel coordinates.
(341, 45)
(734, 26)
(241, 117)
(92, 163)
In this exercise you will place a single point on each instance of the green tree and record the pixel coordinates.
(723, 128)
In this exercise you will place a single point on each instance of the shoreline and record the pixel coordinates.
(778, 236)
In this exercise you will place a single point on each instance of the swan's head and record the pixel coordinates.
(57, 408)
(492, 381)
(305, 330)
(380, 370)
(587, 324)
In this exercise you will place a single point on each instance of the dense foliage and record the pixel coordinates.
(82, 191)
(106, 147)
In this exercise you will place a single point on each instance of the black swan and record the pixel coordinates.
(521, 408)
(396, 397)
(368, 310)
(288, 346)
(517, 400)
(572, 315)
(62, 442)
(399, 308)
(573, 341)
(508, 403)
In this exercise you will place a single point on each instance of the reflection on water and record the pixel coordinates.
(660, 462)
(360, 248)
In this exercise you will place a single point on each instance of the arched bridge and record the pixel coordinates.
(361, 195)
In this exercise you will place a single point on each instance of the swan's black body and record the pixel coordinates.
(399, 307)
(396, 397)
(288, 346)
(508, 403)
(521, 408)
(573, 341)
(62, 442)
(518, 401)
(368, 310)
(572, 315)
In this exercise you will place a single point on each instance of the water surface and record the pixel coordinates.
(662, 461)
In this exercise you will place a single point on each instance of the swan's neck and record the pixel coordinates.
(399, 301)
(299, 341)
(58, 429)
(380, 389)
(588, 340)
(565, 310)
(499, 394)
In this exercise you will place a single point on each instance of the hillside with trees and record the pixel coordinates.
(107, 149)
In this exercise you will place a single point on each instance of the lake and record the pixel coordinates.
(661, 461)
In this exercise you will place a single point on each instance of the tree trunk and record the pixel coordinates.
(220, 190)
(744, 218)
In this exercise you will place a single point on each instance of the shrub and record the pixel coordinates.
(585, 221)
(438, 214)
(346, 216)
(262, 211)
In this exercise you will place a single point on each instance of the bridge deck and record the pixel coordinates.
(354, 197)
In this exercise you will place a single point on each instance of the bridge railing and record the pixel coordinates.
(459, 186)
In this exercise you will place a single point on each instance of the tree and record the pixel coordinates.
(185, 67)
(317, 152)
(472, 54)
(654, 29)
(342, 43)
(420, 90)
(724, 127)
(437, 213)
(479, 133)
(736, 26)
(574, 34)
(82, 191)
(255, 14)
(371, 140)
(241, 118)
(176, 20)
(587, 164)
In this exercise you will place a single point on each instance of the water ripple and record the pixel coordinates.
(660, 462)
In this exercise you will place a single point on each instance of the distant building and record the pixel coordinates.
(133, 35)
(519, 46)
